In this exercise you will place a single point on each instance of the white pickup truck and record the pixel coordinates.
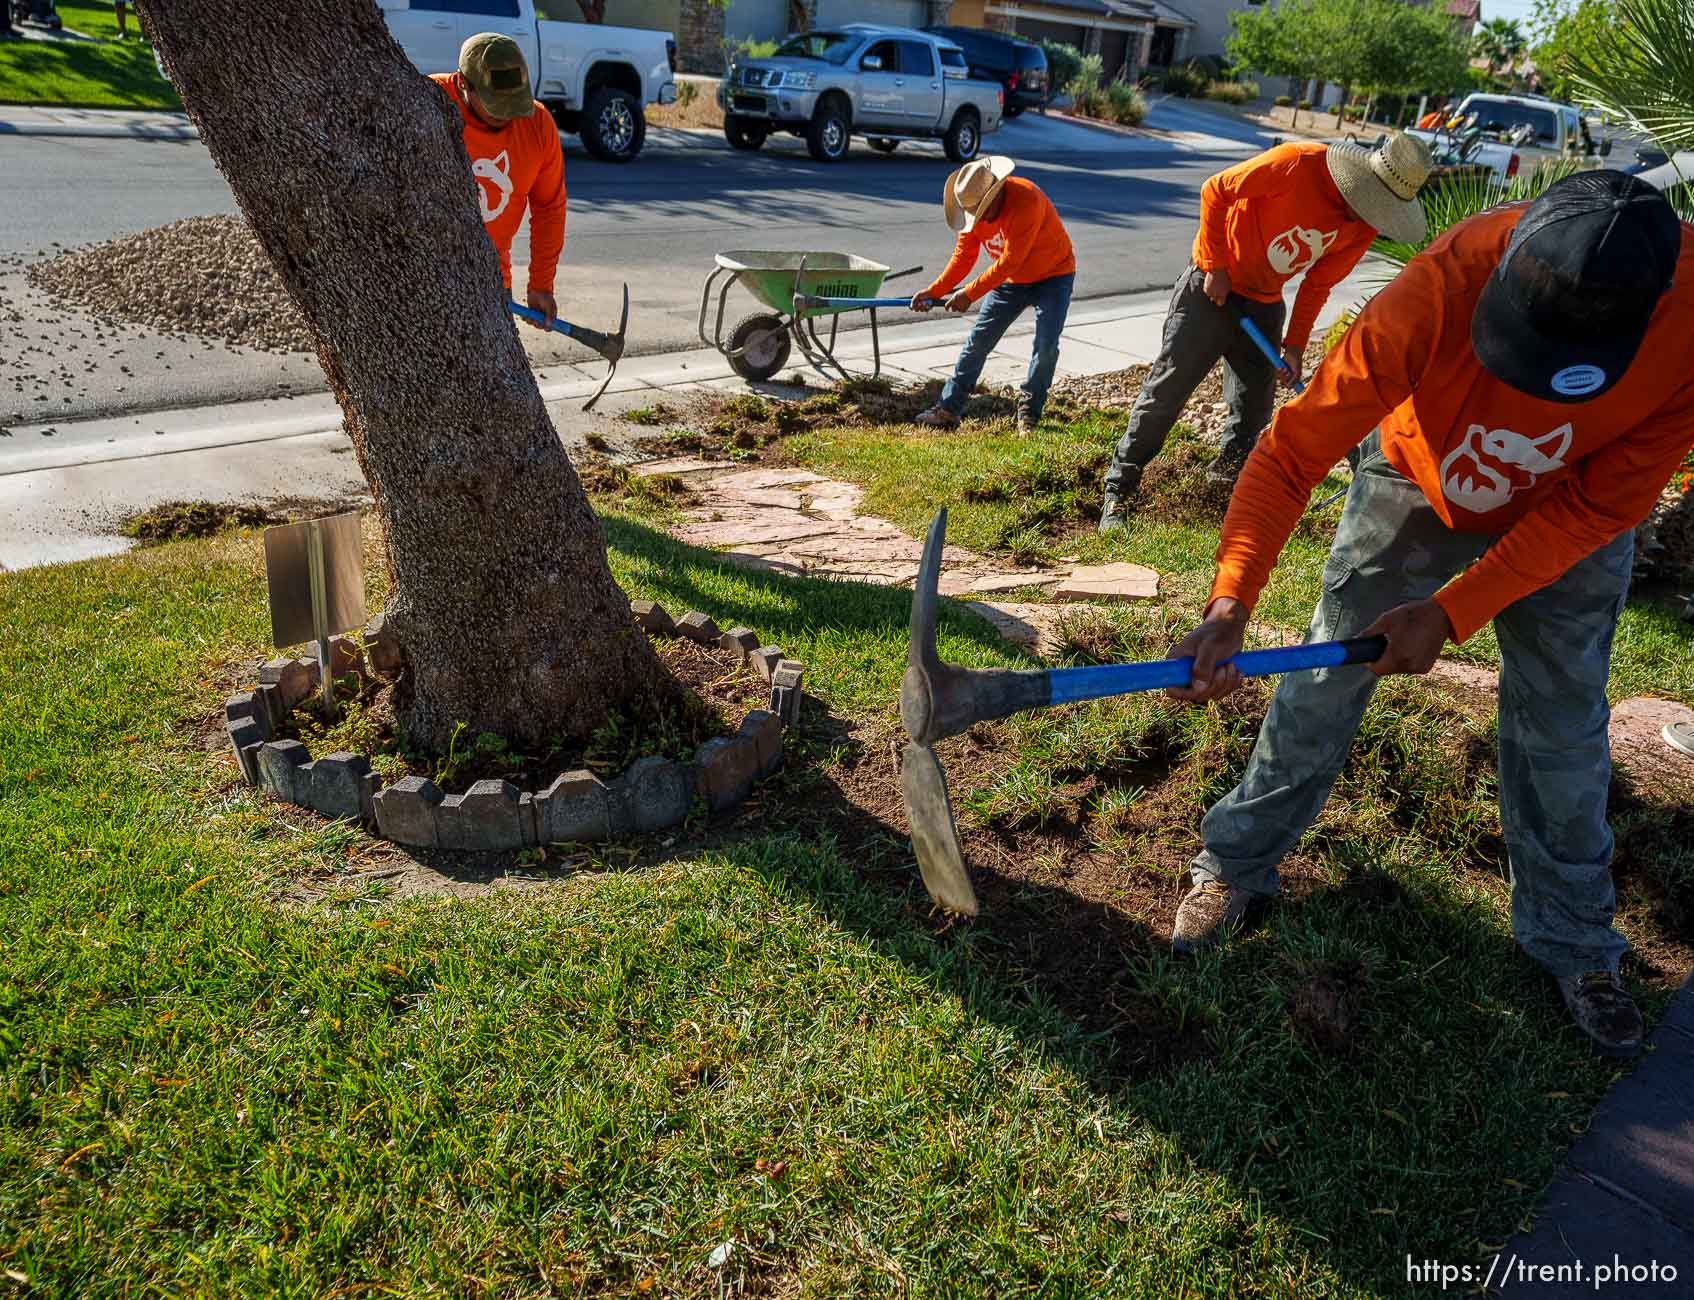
(886, 84)
(1512, 135)
(595, 80)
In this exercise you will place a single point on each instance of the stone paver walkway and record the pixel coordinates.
(795, 522)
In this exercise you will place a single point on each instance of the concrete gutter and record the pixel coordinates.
(104, 123)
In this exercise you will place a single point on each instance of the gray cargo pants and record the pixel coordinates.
(1555, 761)
(1199, 333)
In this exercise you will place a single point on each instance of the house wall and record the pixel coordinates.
(1211, 24)
(756, 20)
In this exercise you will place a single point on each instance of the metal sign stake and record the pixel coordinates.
(320, 613)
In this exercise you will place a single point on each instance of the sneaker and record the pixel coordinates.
(1114, 515)
(937, 417)
(1680, 737)
(1604, 1012)
(1209, 914)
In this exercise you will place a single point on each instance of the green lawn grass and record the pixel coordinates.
(85, 74)
(1039, 495)
(588, 1087)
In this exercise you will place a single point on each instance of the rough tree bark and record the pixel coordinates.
(352, 172)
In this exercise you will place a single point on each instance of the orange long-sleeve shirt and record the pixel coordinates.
(1555, 480)
(521, 164)
(1274, 216)
(1026, 241)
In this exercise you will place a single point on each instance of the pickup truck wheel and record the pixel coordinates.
(884, 145)
(613, 126)
(744, 134)
(763, 345)
(829, 134)
(964, 137)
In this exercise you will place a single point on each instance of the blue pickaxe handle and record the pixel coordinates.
(1098, 682)
(536, 318)
(809, 302)
(1271, 354)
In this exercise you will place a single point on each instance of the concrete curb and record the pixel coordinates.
(1625, 1199)
(117, 126)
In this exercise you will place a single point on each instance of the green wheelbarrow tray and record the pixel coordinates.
(759, 345)
(774, 278)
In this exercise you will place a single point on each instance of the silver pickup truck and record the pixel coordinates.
(886, 84)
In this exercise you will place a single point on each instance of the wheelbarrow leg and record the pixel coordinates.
(705, 301)
(876, 348)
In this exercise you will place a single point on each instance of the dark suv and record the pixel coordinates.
(1019, 66)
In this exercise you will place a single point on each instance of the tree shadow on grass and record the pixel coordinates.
(1376, 1062)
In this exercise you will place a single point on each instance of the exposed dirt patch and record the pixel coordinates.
(175, 521)
(1324, 1008)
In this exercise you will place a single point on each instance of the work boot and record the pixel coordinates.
(1209, 914)
(937, 417)
(1027, 420)
(1604, 1012)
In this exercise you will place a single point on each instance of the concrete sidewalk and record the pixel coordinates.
(108, 123)
(65, 485)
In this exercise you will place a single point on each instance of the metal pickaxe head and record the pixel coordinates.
(938, 700)
(609, 346)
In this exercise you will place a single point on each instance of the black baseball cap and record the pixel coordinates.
(1564, 313)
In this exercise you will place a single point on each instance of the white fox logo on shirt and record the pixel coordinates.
(1297, 248)
(1491, 465)
(497, 172)
(995, 244)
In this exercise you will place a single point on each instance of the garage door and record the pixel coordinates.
(889, 13)
(756, 20)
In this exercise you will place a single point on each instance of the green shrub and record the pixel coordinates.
(1186, 80)
(1090, 72)
(686, 93)
(1125, 103)
(1063, 63)
(1305, 105)
(1088, 103)
(1332, 335)
(1285, 101)
(1231, 92)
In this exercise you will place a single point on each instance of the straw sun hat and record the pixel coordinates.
(970, 190)
(1381, 185)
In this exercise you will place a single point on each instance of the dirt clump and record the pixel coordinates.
(1324, 1010)
(178, 520)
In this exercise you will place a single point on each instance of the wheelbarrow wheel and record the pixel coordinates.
(759, 347)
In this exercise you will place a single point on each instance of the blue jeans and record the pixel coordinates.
(1051, 299)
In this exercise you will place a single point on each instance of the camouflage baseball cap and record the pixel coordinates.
(494, 67)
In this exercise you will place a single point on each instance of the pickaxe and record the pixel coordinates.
(609, 346)
(938, 700)
(1271, 354)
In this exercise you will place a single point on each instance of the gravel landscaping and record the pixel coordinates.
(202, 275)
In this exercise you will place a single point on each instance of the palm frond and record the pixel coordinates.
(1642, 72)
(1450, 199)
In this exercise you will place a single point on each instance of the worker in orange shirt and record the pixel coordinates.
(1033, 267)
(516, 159)
(1436, 115)
(1307, 207)
(1530, 382)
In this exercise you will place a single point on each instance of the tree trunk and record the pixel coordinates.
(351, 170)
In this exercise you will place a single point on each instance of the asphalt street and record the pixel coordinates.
(1129, 202)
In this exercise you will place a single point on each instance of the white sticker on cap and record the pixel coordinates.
(1575, 381)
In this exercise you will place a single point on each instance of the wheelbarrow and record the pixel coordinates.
(759, 345)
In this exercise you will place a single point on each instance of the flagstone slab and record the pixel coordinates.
(1099, 582)
(989, 583)
(680, 465)
(1039, 629)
